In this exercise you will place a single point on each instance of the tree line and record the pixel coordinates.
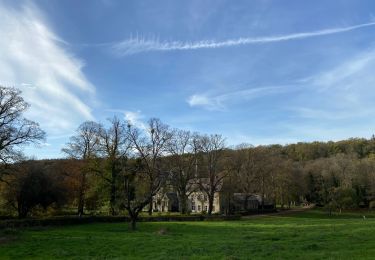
(119, 167)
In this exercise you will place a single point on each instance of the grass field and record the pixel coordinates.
(306, 235)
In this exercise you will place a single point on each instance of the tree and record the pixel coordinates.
(15, 130)
(211, 179)
(146, 175)
(183, 149)
(240, 178)
(114, 146)
(84, 147)
(85, 144)
(150, 147)
(31, 186)
(136, 190)
(247, 171)
(261, 165)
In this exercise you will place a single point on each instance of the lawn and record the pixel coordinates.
(308, 235)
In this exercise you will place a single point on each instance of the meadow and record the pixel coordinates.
(304, 235)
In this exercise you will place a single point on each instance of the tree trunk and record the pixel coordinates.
(183, 204)
(150, 207)
(113, 199)
(245, 205)
(228, 210)
(210, 204)
(113, 189)
(81, 203)
(262, 206)
(133, 224)
(133, 220)
(81, 195)
(22, 211)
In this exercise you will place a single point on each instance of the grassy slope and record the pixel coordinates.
(309, 235)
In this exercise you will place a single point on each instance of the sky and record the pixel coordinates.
(258, 72)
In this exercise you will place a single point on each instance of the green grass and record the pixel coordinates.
(307, 235)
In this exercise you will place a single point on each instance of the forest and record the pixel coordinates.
(117, 168)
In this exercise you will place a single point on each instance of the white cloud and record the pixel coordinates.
(135, 118)
(33, 58)
(199, 100)
(141, 44)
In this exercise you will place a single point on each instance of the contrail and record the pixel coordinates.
(137, 45)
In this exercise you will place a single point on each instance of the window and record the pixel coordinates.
(199, 207)
(205, 208)
(193, 205)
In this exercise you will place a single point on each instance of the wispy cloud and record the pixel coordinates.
(202, 100)
(35, 59)
(354, 72)
(341, 95)
(140, 44)
(218, 102)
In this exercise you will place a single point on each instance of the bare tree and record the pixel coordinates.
(84, 147)
(211, 179)
(183, 149)
(114, 148)
(136, 189)
(15, 130)
(85, 144)
(149, 146)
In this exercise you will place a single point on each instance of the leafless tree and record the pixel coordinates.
(149, 145)
(114, 147)
(84, 146)
(211, 177)
(144, 175)
(15, 130)
(136, 190)
(183, 149)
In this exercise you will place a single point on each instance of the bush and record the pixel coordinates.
(31, 187)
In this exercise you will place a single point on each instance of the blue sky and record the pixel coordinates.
(261, 71)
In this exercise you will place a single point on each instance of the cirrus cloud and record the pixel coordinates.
(34, 59)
